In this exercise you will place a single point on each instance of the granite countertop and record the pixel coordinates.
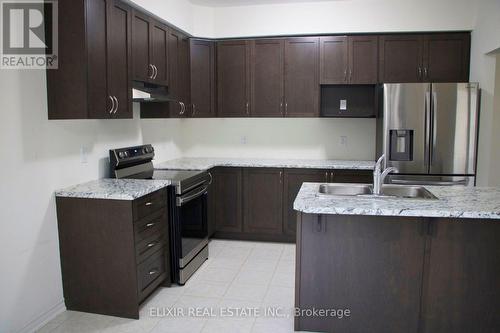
(207, 163)
(118, 189)
(457, 202)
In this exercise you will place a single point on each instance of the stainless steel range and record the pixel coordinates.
(187, 206)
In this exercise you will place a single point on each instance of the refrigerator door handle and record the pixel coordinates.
(427, 129)
(432, 137)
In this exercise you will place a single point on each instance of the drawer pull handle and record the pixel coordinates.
(153, 271)
(149, 203)
(152, 244)
(150, 225)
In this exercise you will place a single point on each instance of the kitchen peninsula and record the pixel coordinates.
(399, 264)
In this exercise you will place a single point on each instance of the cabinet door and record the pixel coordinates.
(372, 266)
(301, 77)
(267, 78)
(461, 288)
(227, 191)
(176, 82)
(446, 57)
(363, 59)
(233, 81)
(141, 46)
(202, 55)
(293, 179)
(119, 56)
(351, 176)
(334, 60)
(400, 58)
(263, 200)
(159, 52)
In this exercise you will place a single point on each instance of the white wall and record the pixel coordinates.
(344, 16)
(279, 138)
(485, 40)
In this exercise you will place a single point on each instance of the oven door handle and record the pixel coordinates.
(191, 196)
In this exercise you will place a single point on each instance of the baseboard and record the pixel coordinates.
(44, 318)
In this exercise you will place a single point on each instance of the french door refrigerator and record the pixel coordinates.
(429, 132)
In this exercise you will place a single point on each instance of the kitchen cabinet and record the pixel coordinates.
(446, 57)
(293, 179)
(233, 78)
(349, 101)
(267, 73)
(149, 49)
(114, 253)
(227, 191)
(202, 56)
(461, 291)
(349, 60)
(424, 58)
(93, 80)
(302, 77)
(351, 176)
(372, 266)
(263, 200)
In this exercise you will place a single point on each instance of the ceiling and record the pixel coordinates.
(231, 3)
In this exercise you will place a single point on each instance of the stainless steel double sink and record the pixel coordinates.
(387, 191)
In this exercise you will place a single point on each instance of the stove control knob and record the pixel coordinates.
(121, 154)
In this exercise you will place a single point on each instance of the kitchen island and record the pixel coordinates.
(399, 264)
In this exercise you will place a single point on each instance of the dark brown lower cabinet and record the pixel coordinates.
(263, 200)
(398, 274)
(114, 253)
(257, 203)
(226, 208)
(462, 282)
(292, 182)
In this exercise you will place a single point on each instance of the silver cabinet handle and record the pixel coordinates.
(116, 107)
(350, 75)
(149, 203)
(155, 72)
(149, 225)
(286, 108)
(345, 74)
(151, 244)
(281, 107)
(183, 108)
(326, 176)
(419, 72)
(247, 108)
(194, 108)
(281, 177)
(150, 67)
(153, 271)
(425, 72)
(112, 104)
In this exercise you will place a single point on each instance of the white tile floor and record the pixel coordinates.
(238, 275)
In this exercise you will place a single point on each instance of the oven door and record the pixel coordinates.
(192, 223)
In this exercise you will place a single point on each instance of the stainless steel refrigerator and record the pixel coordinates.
(429, 132)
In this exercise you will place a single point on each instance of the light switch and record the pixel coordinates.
(343, 104)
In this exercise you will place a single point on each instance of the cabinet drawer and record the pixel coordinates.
(154, 224)
(147, 247)
(149, 203)
(150, 270)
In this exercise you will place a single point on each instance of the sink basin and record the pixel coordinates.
(345, 189)
(414, 192)
(387, 191)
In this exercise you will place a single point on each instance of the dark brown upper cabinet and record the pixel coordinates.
(263, 201)
(349, 60)
(233, 78)
(202, 55)
(446, 57)
(267, 78)
(93, 78)
(301, 77)
(179, 85)
(334, 60)
(424, 58)
(149, 49)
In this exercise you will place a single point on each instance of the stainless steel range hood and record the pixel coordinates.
(143, 92)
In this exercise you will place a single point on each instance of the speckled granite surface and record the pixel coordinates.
(461, 202)
(207, 163)
(118, 189)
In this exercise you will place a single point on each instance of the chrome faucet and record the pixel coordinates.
(379, 175)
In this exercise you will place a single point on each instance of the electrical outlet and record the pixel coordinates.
(83, 155)
(243, 140)
(343, 140)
